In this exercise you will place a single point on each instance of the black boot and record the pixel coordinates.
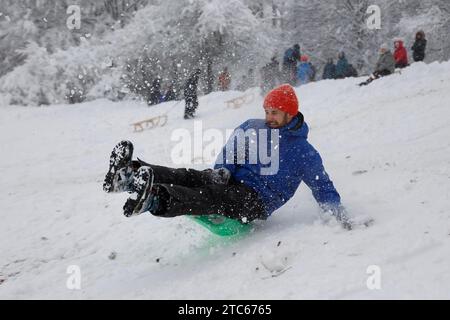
(144, 197)
(120, 173)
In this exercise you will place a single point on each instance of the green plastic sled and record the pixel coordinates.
(222, 226)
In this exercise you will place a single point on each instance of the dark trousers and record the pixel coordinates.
(191, 105)
(401, 65)
(376, 75)
(381, 73)
(193, 192)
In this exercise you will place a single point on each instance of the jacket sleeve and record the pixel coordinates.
(316, 178)
(379, 64)
(221, 162)
(390, 65)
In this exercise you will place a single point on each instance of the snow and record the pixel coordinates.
(385, 146)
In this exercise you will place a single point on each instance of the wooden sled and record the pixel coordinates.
(238, 102)
(152, 123)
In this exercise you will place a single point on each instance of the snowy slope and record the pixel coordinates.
(386, 147)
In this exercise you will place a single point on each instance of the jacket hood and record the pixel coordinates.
(420, 34)
(400, 43)
(297, 127)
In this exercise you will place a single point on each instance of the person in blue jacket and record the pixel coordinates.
(258, 171)
(305, 71)
(342, 66)
(290, 60)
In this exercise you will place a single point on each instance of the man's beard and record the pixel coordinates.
(276, 125)
(273, 125)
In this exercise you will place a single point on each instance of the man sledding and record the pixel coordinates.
(241, 186)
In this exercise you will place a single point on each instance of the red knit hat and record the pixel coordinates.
(282, 98)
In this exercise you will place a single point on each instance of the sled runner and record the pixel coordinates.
(159, 121)
(240, 101)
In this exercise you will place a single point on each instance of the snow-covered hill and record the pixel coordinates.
(386, 147)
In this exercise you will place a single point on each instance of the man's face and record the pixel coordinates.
(276, 118)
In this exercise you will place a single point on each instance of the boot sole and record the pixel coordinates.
(116, 162)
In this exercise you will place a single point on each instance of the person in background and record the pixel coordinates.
(400, 54)
(290, 60)
(329, 72)
(342, 66)
(305, 72)
(224, 80)
(155, 92)
(352, 71)
(190, 95)
(385, 65)
(170, 94)
(419, 47)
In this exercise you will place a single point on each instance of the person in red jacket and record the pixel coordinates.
(400, 55)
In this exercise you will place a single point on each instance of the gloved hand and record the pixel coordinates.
(220, 175)
(340, 213)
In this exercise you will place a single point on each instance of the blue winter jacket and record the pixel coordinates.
(304, 73)
(298, 161)
(342, 68)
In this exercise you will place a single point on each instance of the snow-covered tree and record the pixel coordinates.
(182, 33)
(311, 23)
(354, 36)
(202, 33)
(124, 44)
